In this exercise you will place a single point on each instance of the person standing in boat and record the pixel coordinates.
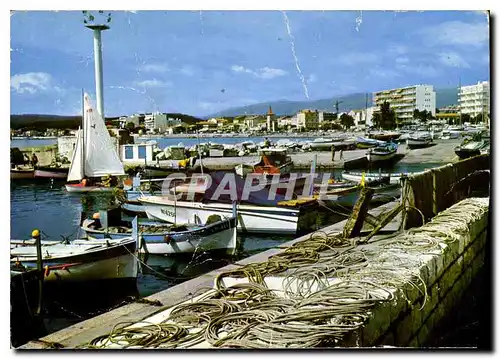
(34, 160)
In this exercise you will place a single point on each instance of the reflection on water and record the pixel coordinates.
(47, 206)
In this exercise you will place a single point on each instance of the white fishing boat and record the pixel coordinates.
(94, 156)
(168, 239)
(382, 153)
(272, 161)
(391, 178)
(251, 218)
(319, 144)
(80, 260)
(419, 140)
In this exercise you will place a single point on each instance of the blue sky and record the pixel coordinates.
(202, 62)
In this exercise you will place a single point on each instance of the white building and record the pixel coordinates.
(160, 122)
(407, 99)
(308, 120)
(135, 119)
(474, 100)
(326, 116)
(363, 118)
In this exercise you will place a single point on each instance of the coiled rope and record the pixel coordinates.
(330, 289)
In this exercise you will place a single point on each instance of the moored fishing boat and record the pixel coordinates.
(51, 172)
(472, 148)
(167, 239)
(21, 173)
(382, 153)
(419, 140)
(272, 161)
(80, 260)
(385, 135)
(251, 218)
(392, 178)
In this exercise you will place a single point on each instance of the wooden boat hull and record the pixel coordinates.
(24, 298)
(385, 137)
(56, 173)
(217, 236)
(418, 143)
(380, 157)
(463, 154)
(21, 174)
(251, 219)
(77, 188)
(115, 262)
(245, 169)
(394, 178)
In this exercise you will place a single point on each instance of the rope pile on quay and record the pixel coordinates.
(330, 289)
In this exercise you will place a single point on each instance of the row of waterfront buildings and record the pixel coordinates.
(472, 100)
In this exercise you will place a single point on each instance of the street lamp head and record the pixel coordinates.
(97, 27)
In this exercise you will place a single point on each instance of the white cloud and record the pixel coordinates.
(187, 70)
(238, 68)
(33, 82)
(312, 78)
(354, 58)
(152, 83)
(402, 60)
(421, 70)
(263, 73)
(270, 73)
(398, 49)
(452, 59)
(154, 68)
(387, 73)
(457, 33)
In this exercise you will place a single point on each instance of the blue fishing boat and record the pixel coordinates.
(168, 239)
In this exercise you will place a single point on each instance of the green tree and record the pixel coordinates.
(465, 118)
(346, 120)
(130, 126)
(385, 118)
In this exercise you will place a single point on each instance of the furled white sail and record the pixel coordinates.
(101, 157)
(76, 170)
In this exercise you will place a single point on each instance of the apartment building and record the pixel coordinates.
(475, 99)
(308, 119)
(160, 122)
(326, 116)
(405, 100)
(363, 118)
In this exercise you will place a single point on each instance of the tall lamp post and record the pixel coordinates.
(98, 65)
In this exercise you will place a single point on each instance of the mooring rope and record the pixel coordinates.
(329, 288)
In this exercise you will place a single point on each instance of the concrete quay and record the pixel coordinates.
(442, 151)
(419, 274)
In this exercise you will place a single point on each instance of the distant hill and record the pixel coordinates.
(42, 122)
(444, 97)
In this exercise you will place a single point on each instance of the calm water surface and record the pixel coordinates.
(47, 206)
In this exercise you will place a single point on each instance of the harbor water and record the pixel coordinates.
(44, 204)
(166, 141)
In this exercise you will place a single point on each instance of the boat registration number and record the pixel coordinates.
(167, 212)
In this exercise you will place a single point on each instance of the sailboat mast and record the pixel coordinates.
(366, 109)
(83, 134)
(460, 96)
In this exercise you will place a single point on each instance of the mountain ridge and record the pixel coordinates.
(355, 101)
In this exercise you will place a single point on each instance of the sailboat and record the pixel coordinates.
(95, 155)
